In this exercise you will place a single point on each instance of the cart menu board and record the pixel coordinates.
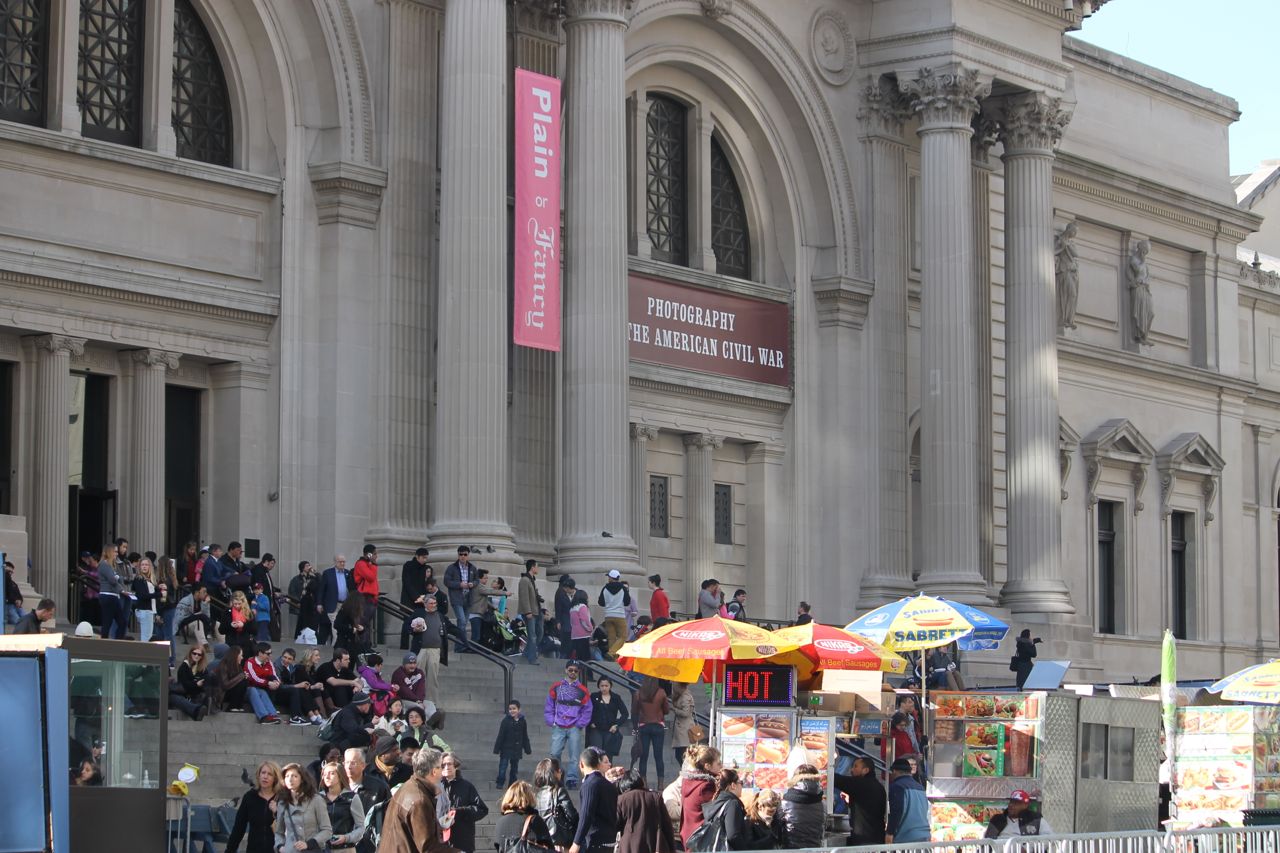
(1266, 758)
(757, 746)
(1216, 760)
(986, 735)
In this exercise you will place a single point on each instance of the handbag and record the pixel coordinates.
(711, 836)
(523, 844)
(1013, 664)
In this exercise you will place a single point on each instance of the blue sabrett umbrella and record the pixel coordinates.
(987, 632)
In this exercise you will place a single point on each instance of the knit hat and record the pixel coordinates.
(410, 658)
(360, 699)
(386, 745)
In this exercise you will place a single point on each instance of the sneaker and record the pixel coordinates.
(299, 721)
(271, 720)
(317, 721)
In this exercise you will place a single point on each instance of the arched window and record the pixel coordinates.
(666, 192)
(729, 238)
(109, 87)
(24, 51)
(201, 106)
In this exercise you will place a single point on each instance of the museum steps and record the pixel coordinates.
(224, 744)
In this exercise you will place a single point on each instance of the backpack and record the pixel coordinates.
(329, 731)
(711, 836)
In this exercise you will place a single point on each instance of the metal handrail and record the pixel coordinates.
(396, 610)
(183, 822)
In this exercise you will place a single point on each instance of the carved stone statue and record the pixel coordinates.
(1066, 265)
(1140, 304)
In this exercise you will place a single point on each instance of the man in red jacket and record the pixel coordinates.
(366, 578)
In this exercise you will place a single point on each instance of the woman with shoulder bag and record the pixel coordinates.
(554, 804)
(682, 709)
(521, 828)
(302, 820)
(724, 820)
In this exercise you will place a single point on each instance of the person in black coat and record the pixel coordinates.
(728, 803)
(464, 800)
(257, 813)
(564, 603)
(511, 745)
(520, 819)
(305, 587)
(1023, 657)
(413, 585)
(352, 723)
(608, 714)
(868, 803)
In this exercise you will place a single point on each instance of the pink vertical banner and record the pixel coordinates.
(536, 266)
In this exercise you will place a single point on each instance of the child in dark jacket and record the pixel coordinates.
(512, 743)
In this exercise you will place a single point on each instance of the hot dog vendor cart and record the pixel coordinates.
(756, 726)
(1091, 761)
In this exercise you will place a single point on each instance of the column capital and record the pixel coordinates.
(537, 17)
(986, 130)
(703, 440)
(884, 108)
(608, 11)
(644, 432)
(947, 98)
(155, 357)
(1032, 123)
(61, 343)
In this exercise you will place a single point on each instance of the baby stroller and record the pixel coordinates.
(509, 636)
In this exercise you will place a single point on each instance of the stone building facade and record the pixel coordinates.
(255, 285)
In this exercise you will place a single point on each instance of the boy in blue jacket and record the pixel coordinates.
(262, 613)
(512, 743)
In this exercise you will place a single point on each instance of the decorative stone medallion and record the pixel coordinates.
(831, 45)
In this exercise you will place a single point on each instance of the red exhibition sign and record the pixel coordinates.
(536, 264)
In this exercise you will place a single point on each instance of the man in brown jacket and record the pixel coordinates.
(411, 825)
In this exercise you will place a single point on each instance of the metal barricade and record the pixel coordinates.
(177, 812)
(1260, 839)
(1149, 841)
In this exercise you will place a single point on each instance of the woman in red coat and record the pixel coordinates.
(697, 787)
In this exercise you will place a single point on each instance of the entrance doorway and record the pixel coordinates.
(181, 467)
(92, 506)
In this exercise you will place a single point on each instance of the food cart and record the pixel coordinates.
(1227, 760)
(756, 726)
(1092, 762)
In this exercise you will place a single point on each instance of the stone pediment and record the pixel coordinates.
(1118, 442)
(1190, 456)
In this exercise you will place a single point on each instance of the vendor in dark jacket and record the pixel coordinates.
(598, 813)
(386, 764)
(802, 808)
(512, 744)
(727, 807)
(351, 725)
(608, 714)
(464, 800)
(867, 803)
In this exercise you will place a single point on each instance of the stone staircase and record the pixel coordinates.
(472, 698)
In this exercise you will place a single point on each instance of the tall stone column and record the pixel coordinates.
(883, 112)
(470, 483)
(401, 511)
(1030, 126)
(946, 101)
(146, 436)
(641, 435)
(50, 534)
(596, 463)
(699, 514)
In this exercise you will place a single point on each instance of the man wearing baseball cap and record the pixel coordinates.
(1018, 819)
(908, 806)
(615, 598)
(567, 712)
